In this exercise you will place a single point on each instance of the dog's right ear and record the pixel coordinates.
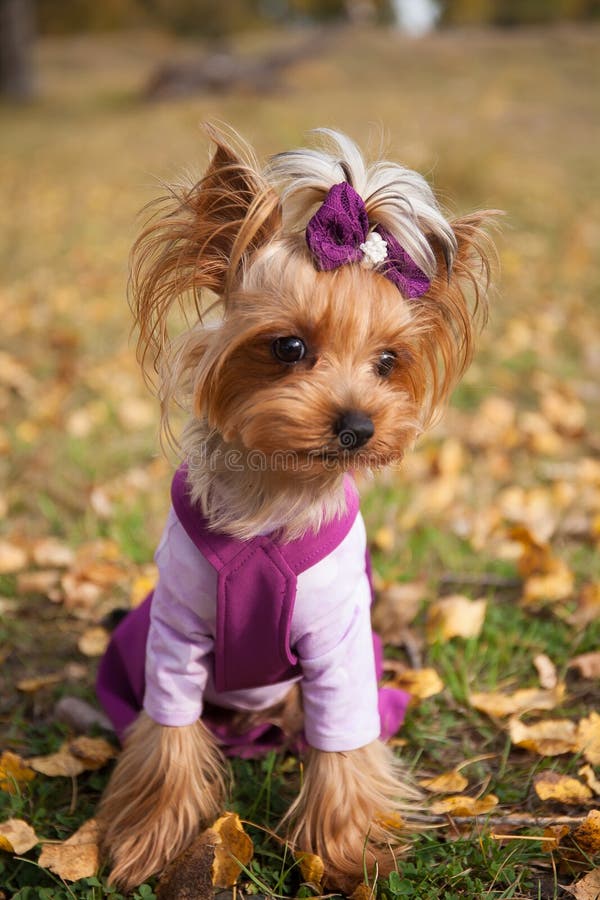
(199, 239)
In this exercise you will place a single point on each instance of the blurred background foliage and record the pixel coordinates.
(213, 18)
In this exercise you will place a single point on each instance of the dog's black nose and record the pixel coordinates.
(354, 429)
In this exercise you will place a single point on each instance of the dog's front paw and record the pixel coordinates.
(351, 812)
(168, 783)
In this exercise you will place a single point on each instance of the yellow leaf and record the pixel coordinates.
(384, 539)
(391, 822)
(31, 685)
(447, 783)
(587, 835)
(556, 584)
(363, 892)
(552, 786)
(13, 772)
(553, 835)
(75, 858)
(497, 704)
(142, 585)
(455, 616)
(421, 683)
(93, 641)
(233, 850)
(465, 806)
(588, 738)
(549, 738)
(311, 867)
(16, 836)
(547, 578)
(589, 775)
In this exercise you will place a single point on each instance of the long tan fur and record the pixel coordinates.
(168, 784)
(351, 812)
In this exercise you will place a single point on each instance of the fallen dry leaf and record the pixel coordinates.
(556, 584)
(446, 783)
(233, 849)
(547, 578)
(311, 867)
(35, 683)
(496, 704)
(552, 786)
(587, 888)
(16, 836)
(553, 835)
(564, 411)
(42, 582)
(421, 683)
(363, 892)
(93, 641)
(587, 835)
(587, 607)
(455, 616)
(12, 558)
(61, 764)
(395, 608)
(383, 539)
(546, 671)
(142, 584)
(549, 738)
(588, 738)
(13, 772)
(465, 806)
(95, 752)
(588, 774)
(75, 858)
(74, 757)
(587, 664)
(50, 553)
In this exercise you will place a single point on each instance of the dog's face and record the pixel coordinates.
(315, 371)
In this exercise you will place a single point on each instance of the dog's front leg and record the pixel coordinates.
(350, 812)
(168, 783)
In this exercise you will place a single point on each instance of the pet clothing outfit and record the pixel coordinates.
(233, 624)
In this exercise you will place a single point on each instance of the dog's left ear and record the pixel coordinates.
(199, 240)
(455, 304)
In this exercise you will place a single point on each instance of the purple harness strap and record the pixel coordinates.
(256, 590)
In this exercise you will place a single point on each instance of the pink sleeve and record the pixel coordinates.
(339, 683)
(180, 639)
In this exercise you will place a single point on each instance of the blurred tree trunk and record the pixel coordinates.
(16, 39)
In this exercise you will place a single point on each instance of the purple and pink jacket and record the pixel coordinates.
(233, 624)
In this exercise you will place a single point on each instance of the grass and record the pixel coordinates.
(495, 119)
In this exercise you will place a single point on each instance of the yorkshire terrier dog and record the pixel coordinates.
(328, 309)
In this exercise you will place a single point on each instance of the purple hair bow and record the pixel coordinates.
(338, 233)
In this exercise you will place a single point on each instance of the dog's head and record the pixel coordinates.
(316, 364)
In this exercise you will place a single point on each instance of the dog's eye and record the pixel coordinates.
(386, 363)
(288, 350)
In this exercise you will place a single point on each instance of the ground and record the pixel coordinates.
(500, 503)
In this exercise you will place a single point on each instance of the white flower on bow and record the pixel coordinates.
(374, 249)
